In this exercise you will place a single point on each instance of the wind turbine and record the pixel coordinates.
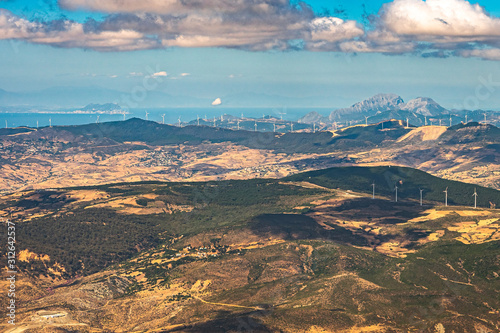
(373, 185)
(425, 121)
(6, 124)
(50, 122)
(255, 127)
(291, 127)
(335, 124)
(215, 119)
(366, 120)
(238, 125)
(163, 118)
(421, 191)
(147, 113)
(37, 124)
(450, 121)
(407, 123)
(396, 188)
(274, 128)
(97, 120)
(475, 198)
(221, 118)
(242, 115)
(179, 120)
(446, 197)
(439, 122)
(123, 115)
(281, 114)
(484, 117)
(198, 119)
(206, 118)
(466, 118)
(314, 127)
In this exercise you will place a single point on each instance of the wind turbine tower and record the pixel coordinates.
(425, 123)
(407, 123)
(475, 198)
(6, 124)
(484, 118)
(446, 197)
(238, 125)
(198, 119)
(255, 127)
(179, 120)
(450, 121)
(366, 120)
(163, 118)
(291, 127)
(97, 120)
(421, 191)
(466, 118)
(396, 188)
(147, 113)
(50, 122)
(373, 185)
(274, 128)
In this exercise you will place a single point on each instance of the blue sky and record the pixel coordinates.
(333, 53)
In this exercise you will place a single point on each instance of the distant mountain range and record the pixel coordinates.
(418, 111)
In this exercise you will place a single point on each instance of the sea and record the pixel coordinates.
(172, 115)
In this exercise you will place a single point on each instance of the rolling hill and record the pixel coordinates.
(308, 253)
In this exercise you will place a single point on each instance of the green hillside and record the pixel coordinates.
(408, 180)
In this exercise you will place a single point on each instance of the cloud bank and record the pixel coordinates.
(429, 28)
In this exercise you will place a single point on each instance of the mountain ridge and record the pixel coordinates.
(379, 104)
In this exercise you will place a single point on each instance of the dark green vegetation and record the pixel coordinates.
(84, 240)
(321, 274)
(409, 182)
(152, 133)
(148, 132)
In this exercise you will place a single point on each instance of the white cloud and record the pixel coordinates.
(174, 7)
(431, 27)
(185, 74)
(487, 54)
(70, 34)
(442, 19)
(332, 29)
(217, 101)
(160, 74)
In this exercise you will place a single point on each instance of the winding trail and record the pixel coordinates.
(258, 308)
